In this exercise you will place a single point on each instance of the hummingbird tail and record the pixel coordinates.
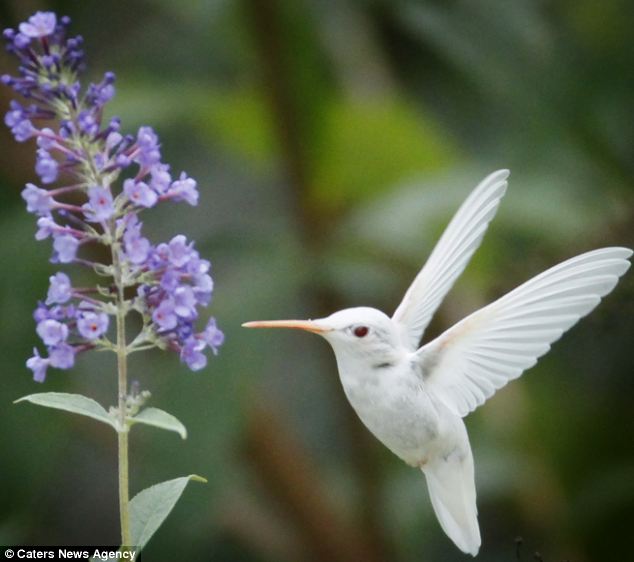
(450, 480)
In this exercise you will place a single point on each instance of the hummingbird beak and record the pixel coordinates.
(307, 325)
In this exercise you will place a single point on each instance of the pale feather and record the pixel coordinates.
(453, 251)
(465, 365)
(451, 485)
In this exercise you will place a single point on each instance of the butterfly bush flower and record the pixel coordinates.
(94, 183)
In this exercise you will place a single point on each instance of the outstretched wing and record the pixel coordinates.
(466, 364)
(450, 256)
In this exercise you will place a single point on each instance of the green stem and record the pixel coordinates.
(93, 176)
(122, 368)
(124, 497)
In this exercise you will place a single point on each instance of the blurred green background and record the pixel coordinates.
(332, 140)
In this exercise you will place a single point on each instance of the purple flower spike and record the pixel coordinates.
(41, 24)
(38, 365)
(92, 325)
(52, 332)
(102, 180)
(59, 290)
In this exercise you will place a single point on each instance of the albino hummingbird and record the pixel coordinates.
(413, 398)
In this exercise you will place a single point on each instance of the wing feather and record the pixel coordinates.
(466, 365)
(449, 258)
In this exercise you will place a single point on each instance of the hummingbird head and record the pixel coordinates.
(355, 334)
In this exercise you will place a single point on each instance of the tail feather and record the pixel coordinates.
(450, 480)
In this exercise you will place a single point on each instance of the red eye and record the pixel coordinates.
(361, 331)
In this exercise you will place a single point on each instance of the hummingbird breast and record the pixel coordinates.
(391, 401)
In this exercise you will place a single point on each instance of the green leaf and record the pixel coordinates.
(149, 508)
(75, 403)
(161, 419)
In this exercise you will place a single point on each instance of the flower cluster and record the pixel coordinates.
(85, 158)
(58, 318)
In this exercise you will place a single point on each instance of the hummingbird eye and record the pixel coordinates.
(361, 331)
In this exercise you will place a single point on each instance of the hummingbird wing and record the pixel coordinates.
(466, 364)
(450, 256)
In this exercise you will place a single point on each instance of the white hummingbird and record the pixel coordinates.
(413, 398)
